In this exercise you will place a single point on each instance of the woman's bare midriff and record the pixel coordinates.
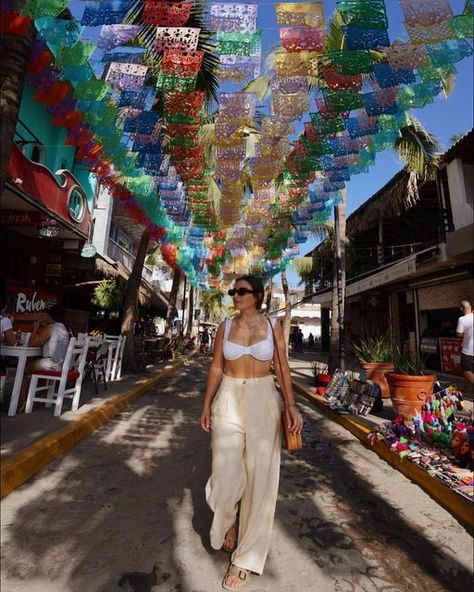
(247, 367)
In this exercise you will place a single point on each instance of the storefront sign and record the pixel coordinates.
(26, 300)
(386, 276)
(25, 304)
(395, 272)
(19, 218)
(88, 250)
(450, 349)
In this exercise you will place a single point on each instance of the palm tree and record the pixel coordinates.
(189, 327)
(212, 305)
(16, 53)
(131, 299)
(230, 312)
(173, 297)
(287, 317)
(455, 138)
(416, 147)
(183, 306)
(268, 297)
(153, 258)
(336, 340)
(304, 268)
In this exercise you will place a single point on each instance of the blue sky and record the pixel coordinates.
(444, 117)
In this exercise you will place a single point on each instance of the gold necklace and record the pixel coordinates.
(251, 325)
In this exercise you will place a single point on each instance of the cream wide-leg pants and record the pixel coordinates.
(246, 444)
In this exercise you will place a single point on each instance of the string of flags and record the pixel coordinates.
(231, 189)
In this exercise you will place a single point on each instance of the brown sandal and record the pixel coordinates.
(238, 572)
(231, 536)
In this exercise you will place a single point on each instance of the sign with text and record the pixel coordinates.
(397, 271)
(27, 301)
(450, 350)
(20, 218)
(400, 270)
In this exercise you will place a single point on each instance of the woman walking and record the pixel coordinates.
(242, 410)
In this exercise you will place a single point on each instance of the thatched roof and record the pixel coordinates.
(108, 269)
(463, 148)
(147, 294)
(401, 192)
(396, 196)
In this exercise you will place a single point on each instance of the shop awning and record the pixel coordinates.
(14, 201)
(400, 270)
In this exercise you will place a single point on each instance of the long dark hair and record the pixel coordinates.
(56, 312)
(257, 287)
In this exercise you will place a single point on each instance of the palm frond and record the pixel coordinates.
(448, 85)
(303, 266)
(253, 138)
(211, 303)
(206, 79)
(418, 149)
(323, 230)
(153, 257)
(270, 58)
(260, 86)
(335, 40)
(280, 186)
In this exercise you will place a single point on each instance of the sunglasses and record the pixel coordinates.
(240, 291)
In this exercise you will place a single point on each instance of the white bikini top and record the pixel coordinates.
(262, 350)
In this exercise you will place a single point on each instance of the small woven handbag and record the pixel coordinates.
(291, 441)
